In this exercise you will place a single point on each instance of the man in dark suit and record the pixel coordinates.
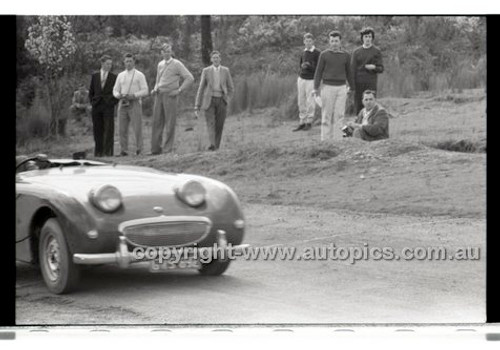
(372, 122)
(103, 107)
(214, 94)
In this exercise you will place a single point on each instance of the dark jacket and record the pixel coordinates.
(378, 124)
(310, 57)
(102, 97)
(362, 57)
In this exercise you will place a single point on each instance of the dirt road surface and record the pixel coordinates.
(270, 292)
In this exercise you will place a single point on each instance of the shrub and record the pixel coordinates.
(261, 90)
(32, 122)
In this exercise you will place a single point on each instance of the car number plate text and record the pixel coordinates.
(165, 265)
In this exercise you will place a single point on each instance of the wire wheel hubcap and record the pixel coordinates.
(52, 259)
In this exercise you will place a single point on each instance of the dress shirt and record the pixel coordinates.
(104, 76)
(366, 114)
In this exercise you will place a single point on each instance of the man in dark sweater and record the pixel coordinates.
(332, 73)
(305, 83)
(366, 63)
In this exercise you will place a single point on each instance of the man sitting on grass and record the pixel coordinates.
(372, 122)
(80, 107)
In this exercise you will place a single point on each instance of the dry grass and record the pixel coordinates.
(444, 117)
(262, 90)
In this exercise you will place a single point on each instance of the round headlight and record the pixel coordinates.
(106, 198)
(193, 193)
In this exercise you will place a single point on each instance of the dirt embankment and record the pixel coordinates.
(388, 176)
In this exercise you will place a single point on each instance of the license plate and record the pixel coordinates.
(167, 265)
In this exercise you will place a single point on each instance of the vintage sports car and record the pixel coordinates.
(71, 213)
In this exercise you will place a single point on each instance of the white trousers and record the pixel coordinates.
(333, 100)
(305, 100)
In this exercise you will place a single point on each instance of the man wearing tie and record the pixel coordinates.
(103, 107)
(214, 93)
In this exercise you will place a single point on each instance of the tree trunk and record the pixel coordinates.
(57, 127)
(206, 39)
(188, 31)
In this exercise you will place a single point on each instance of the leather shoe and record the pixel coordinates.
(123, 154)
(300, 127)
(307, 127)
(211, 148)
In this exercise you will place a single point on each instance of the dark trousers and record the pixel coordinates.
(216, 116)
(103, 121)
(358, 94)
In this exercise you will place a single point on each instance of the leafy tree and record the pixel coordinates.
(51, 41)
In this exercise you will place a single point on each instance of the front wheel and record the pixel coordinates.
(59, 272)
(214, 268)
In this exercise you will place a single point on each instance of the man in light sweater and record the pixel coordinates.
(332, 74)
(166, 91)
(130, 87)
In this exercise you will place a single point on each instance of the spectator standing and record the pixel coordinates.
(214, 94)
(167, 90)
(103, 107)
(366, 64)
(332, 74)
(305, 83)
(129, 88)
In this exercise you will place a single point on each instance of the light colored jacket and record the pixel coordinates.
(206, 88)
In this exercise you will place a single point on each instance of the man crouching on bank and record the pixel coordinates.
(372, 122)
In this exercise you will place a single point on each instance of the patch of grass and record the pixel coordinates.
(322, 152)
(433, 119)
(464, 146)
(458, 98)
(261, 90)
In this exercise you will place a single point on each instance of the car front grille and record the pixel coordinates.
(166, 234)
